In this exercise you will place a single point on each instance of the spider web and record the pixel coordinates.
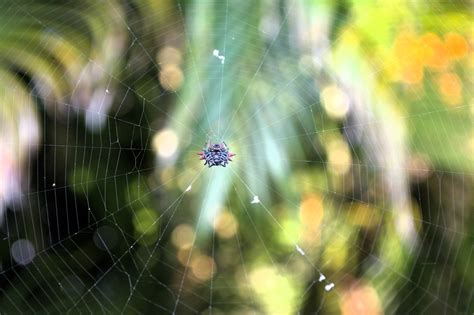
(315, 214)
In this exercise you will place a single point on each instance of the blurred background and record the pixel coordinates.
(352, 191)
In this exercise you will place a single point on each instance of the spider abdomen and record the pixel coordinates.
(216, 154)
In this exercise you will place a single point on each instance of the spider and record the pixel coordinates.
(216, 154)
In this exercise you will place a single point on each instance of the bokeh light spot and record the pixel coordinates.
(275, 291)
(165, 143)
(435, 55)
(311, 216)
(225, 224)
(23, 251)
(456, 46)
(335, 101)
(171, 77)
(450, 87)
(183, 236)
(339, 157)
(203, 267)
(144, 222)
(360, 300)
(169, 55)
